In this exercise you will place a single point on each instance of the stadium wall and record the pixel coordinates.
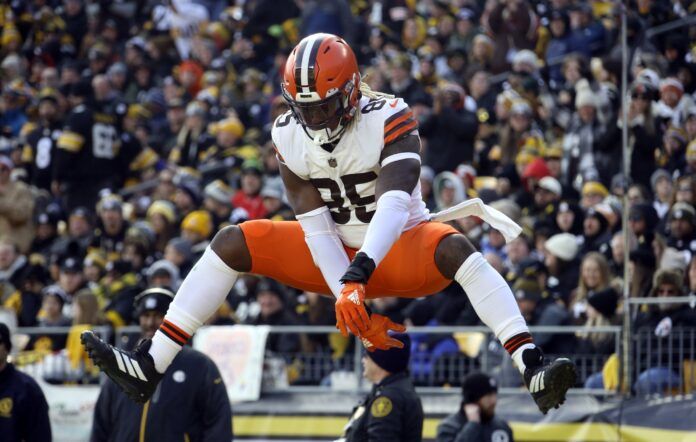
(307, 416)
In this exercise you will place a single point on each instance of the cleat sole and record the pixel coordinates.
(560, 378)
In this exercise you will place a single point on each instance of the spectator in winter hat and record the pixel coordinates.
(682, 235)
(673, 104)
(273, 201)
(547, 193)
(642, 220)
(661, 182)
(52, 307)
(71, 278)
(685, 189)
(228, 133)
(188, 196)
(674, 259)
(24, 407)
(162, 217)
(163, 273)
(560, 258)
(196, 228)
(377, 418)
(218, 201)
(553, 156)
(595, 231)
(528, 294)
(178, 252)
(668, 282)
(475, 419)
(569, 218)
(593, 192)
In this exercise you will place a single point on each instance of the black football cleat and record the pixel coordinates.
(133, 371)
(548, 384)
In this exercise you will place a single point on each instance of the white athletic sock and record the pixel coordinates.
(199, 296)
(495, 304)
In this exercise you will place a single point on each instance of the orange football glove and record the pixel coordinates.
(377, 337)
(350, 309)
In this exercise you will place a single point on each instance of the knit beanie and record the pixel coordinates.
(394, 360)
(476, 386)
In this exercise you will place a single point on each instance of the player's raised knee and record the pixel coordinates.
(229, 244)
(452, 251)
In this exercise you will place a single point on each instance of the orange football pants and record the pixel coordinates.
(278, 250)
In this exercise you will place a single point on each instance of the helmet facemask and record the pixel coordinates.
(324, 121)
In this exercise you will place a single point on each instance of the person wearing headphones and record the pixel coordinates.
(191, 402)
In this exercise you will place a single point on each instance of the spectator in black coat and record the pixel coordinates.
(392, 410)
(475, 421)
(644, 133)
(402, 84)
(450, 130)
(682, 231)
(663, 335)
(23, 407)
(539, 308)
(596, 231)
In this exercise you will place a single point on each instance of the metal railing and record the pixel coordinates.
(320, 370)
(661, 357)
(54, 366)
(659, 364)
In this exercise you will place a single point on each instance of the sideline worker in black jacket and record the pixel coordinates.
(190, 403)
(392, 411)
(23, 407)
(475, 421)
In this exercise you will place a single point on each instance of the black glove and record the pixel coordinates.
(360, 269)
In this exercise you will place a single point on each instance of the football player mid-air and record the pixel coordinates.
(349, 159)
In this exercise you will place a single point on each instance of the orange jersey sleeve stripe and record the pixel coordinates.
(394, 120)
(401, 131)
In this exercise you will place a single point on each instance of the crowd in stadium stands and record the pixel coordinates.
(131, 131)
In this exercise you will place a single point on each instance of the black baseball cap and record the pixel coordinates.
(153, 299)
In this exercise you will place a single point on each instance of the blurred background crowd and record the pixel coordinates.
(131, 131)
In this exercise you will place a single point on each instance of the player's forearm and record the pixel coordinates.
(325, 246)
(387, 224)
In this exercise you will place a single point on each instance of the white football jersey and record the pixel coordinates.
(347, 176)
